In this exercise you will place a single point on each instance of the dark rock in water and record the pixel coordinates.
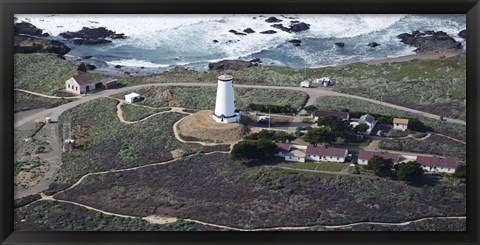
(118, 66)
(268, 32)
(298, 27)
(281, 27)
(294, 22)
(429, 41)
(256, 60)
(237, 33)
(24, 28)
(126, 73)
(24, 44)
(91, 41)
(86, 57)
(249, 30)
(463, 34)
(86, 67)
(273, 20)
(340, 44)
(373, 44)
(142, 67)
(92, 36)
(232, 65)
(295, 42)
(215, 41)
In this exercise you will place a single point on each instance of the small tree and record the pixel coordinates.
(410, 171)
(283, 136)
(253, 150)
(316, 136)
(416, 125)
(380, 165)
(336, 125)
(361, 128)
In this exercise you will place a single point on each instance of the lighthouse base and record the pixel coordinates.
(224, 119)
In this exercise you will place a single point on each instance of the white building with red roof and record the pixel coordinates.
(324, 153)
(364, 156)
(437, 164)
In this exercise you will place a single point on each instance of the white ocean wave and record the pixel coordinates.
(135, 63)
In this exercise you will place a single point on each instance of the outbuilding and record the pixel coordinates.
(80, 84)
(109, 83)
(305, 84)
(400, 124)
(132, 97)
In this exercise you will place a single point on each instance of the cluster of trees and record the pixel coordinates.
(272, 108)
(253, 150)
(406, 171)
(332, 127)
(277, 136)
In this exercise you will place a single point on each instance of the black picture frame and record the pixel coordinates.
(10, 7)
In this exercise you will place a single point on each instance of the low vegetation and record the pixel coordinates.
(103, 142)
(343, 103)
(42, 73)
(435, 144)
(204, 97)
(252, 197)
(424, 225)
(135, 113)
(57, 216)
(26, 101)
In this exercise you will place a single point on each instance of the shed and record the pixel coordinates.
(109, 83)
(305, 84)
(400, 124)
(132, 97)
(369, 120)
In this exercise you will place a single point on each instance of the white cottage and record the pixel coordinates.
(364, 156)
(80, 84)
(400, 124)
(369, 120)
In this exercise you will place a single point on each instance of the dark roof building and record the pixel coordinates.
(84, 78)
(323, 113)
(326, 151)
(364, 155)
(284, 147)
(437, 162)
(366, 119)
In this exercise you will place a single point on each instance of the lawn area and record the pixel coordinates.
(204, 97)
(340, 103)
(42, 73)
(300, 165)
(330, 166)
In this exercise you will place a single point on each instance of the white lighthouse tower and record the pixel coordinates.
(225, 111)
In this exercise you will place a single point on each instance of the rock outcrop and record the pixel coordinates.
(24, 44)
(249, 30)
(92, 36)
(268, 32)
(24, 28)
(429, 41)
(463, 34)
(295, 42)
(237, 32)
(298, 27)
(273, 20)
(373, 44)
(232, 65)
(340, 44)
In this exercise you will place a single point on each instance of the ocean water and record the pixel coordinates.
(161, 42)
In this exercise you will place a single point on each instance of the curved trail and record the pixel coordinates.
(168, 220)
(313, 94)
(122, 119)
(48, 96)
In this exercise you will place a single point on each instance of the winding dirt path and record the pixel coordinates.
(153, 219)
(48, 96)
